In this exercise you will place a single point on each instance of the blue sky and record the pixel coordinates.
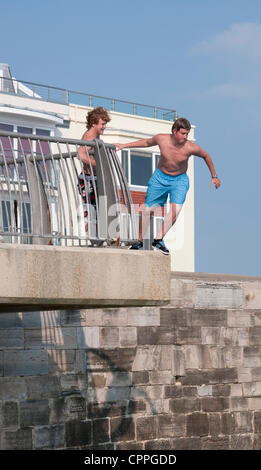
(200, 57)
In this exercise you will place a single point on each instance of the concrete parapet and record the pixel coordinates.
(64, 277)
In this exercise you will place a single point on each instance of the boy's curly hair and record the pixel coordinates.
(96, 114)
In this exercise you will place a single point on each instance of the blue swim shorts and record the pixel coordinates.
(161, 185)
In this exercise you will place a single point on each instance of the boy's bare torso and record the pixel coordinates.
(173, 158)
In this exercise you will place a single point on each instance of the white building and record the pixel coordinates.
(41, 110)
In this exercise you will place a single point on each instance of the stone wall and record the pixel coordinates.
(182, 376)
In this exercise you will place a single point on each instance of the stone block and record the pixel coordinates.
(97, 380)
(234, 337)
(12, 388)
(232, 356)
(147, 358)
(109, 409)
(50, 437)
(251, 295)
(252, 389)
(109, 337)
(118, 379)
(186, 443)
(215, 443)
(208, 377)
(103, 360)
(218, 295)
(188, 335)
(239, 404)
(252, 356)
(178, 364)
(62, 361)
(41, 319)
(156, 335)
(173, 317)
(140, 377)
(1, 363)
(239, 442)
(190, 391)
(9, 414)
(182, 293)
(254, 403)
(173, 391)
(257, 317)
(122, 429)
(138, 406)
(50, 338)
(222, 390)
(214, 404)
(88, 337)
(28, 362)
(256, 374)
(184, 405)
(34, 412)
(146, 316)
(146, 428)
(236, 390)
(76, 407)
(101, 432)
(11, 338)
(42, 387)
(214, 424)
(171, 425)
(115, 316)
(207, 317)
(243, 422)
(197, 424)
(73, 382)
(257, 422)
(210, 335)
(132, 445)
(227, 423)
(18, 440)
(255, 335)
(161, 377)
(245, 374)
(240, 318)
(205, 390)
(58, 410)
(159, 444)
(128, 336)
(78, 433)
(257, 442)
(11, 320)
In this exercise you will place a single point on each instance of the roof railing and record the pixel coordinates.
(64, 96)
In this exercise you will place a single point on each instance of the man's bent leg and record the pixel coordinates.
(170, 218)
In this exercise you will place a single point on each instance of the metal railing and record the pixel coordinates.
(64, 96)
(47, 196)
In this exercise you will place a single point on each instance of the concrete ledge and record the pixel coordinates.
(46, 277)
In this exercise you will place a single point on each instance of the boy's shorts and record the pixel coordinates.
(161, 185)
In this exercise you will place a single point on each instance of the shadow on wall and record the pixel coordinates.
(87, 389)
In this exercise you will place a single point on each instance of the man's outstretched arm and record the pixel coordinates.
(199, 152)
(138, 143)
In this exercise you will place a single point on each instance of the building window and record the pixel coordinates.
(141, 168)
(138, 166)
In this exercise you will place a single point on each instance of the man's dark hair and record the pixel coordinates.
(181, 123)
(96, 114)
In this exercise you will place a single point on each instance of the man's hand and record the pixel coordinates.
(119, 146)
(216, 182)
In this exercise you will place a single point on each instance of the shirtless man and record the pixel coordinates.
(96, 121)
(170, 178)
